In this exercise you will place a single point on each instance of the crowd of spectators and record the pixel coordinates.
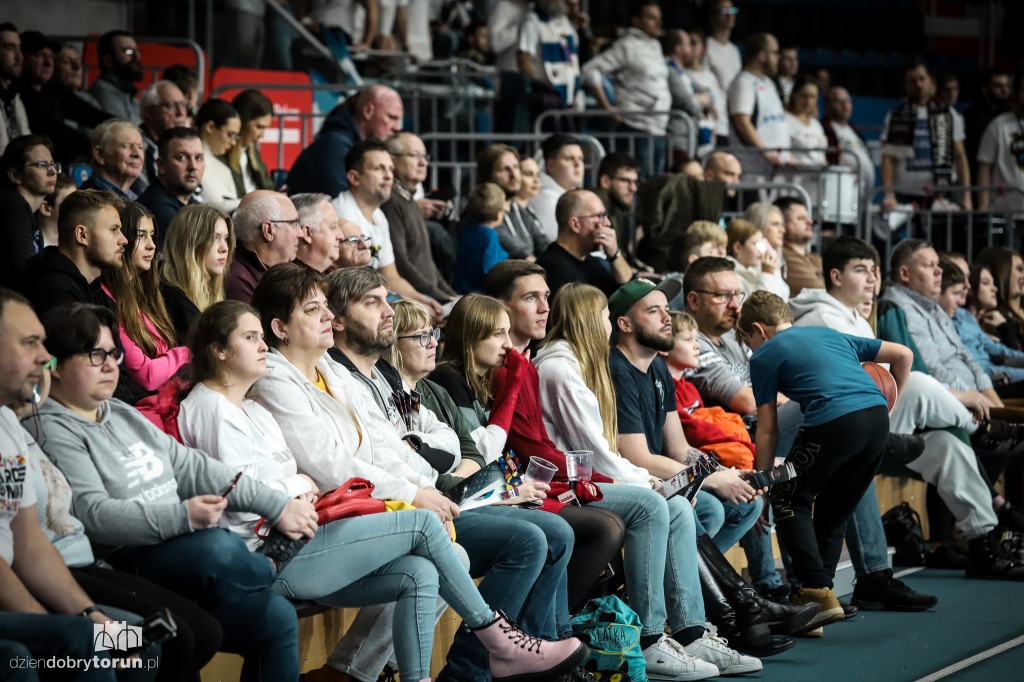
(275, 330)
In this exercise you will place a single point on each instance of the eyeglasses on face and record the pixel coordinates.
(98, 356)
(294, 222)
(425, 337)
(44, 165)
(723, 296)
(601, 217)
(365, 238)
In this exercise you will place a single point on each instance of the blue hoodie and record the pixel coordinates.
(321, 166)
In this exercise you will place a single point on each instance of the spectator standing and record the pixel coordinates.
(319, 233)
(117, 158)
(803, 268)
(163, 107)
(994, 100)
(180, 165)
(805, 130)
(520, 231)
(29, 176)
(639, 76)
(409, 235)
(90, 240)
(785, 78)
(13, 118)
(243, 42)
(371, 173)
(219, 125)
(120, 69)
(1001, 154)
(374, 114)
(563, 171)
(678, 49)
(266, 228)
(503, 24)
(247, 167)
(755, 109)
(704, 79)
(722, 55)
(583, 228)
(841, 133)
(922, 144)
(549, 51)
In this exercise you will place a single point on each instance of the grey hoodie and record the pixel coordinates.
(818, 308)
(131, 482)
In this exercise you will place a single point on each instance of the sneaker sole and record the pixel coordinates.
(551, 673)
(884, 606)
(824, 618)
(686, 677)
(741, 669)
(816, 632)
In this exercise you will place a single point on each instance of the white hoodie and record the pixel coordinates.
(818, 308)
(328, 435)
(572, 415)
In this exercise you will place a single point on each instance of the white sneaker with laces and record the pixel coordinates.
(716, 650)
(666, 659)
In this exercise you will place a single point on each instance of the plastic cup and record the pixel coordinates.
(540, 470)
(578, 465)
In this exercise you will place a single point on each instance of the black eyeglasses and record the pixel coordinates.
(425, 337)
(98, 356)
(601, 217)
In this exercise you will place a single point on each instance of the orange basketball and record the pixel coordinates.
(883, 380)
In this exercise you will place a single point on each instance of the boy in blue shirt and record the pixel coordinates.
(839, 447)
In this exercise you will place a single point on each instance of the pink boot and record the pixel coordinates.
(518, 657)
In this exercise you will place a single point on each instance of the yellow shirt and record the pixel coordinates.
(321, 383)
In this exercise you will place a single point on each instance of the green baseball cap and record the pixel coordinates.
(632, 291)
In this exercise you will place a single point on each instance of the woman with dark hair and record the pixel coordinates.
(247, 167)
(1007, 268)
(1004, 364)
(219, 125)
(350, 562)
(151, 354)
(27, 175)
(153, 504)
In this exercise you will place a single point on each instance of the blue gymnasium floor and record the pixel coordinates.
(972, 618)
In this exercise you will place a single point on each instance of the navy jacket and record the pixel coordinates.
(321, 166)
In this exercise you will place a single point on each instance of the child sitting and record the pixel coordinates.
(479, 246)
(840, 446)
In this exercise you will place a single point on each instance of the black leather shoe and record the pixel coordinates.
(902, 448)
(849, 610)
(881, 592)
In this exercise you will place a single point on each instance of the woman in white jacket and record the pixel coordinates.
(219, 125)
(350, 562)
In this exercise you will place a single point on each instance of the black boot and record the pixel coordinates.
(755, 640)
(751, 608)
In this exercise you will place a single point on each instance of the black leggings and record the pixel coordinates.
(599, 536)
(199, 634)
(835, 463)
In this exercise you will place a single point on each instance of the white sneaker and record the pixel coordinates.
(666, 659)
(716, 650)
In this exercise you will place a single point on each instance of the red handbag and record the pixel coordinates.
(351, 498)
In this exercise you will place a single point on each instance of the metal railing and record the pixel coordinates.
(947, 226)
(155, 70)
(745, 190)
(612, 136)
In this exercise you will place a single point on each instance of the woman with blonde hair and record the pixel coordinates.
(199, 246)
(146, 332)
(753, 264)
(768, 218)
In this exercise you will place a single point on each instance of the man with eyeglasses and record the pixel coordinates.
(410, 236)
(616, 186)
(582, 228)
(163, 107)
(355, 246)
(120, 69)
(267, 234)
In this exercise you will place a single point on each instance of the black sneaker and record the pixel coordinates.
(1011, 518)
(946, 556)
(881, 592)
(849, 610)
(987, 558)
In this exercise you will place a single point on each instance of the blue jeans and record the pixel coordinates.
(403, 556)
(865, 537)
(760, 560)
(48, 635)
(522, 555)
(215, 568)
(724, 521)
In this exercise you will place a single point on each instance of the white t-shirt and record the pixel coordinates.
(381, 247)
(852, 144)
(707, 80)
(724, 60)
(1002, 145)
(16, 488)
(806, 136)
(245, 438)
(909, 176)
(503, 24)
(749, 92)
(348, 15)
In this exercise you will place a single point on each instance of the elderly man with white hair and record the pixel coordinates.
(163, 106)
(117, 156)
(267, 234)
(320, 234)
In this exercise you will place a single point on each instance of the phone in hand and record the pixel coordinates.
(231, 486)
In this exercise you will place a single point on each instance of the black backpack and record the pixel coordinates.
(903, 531)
